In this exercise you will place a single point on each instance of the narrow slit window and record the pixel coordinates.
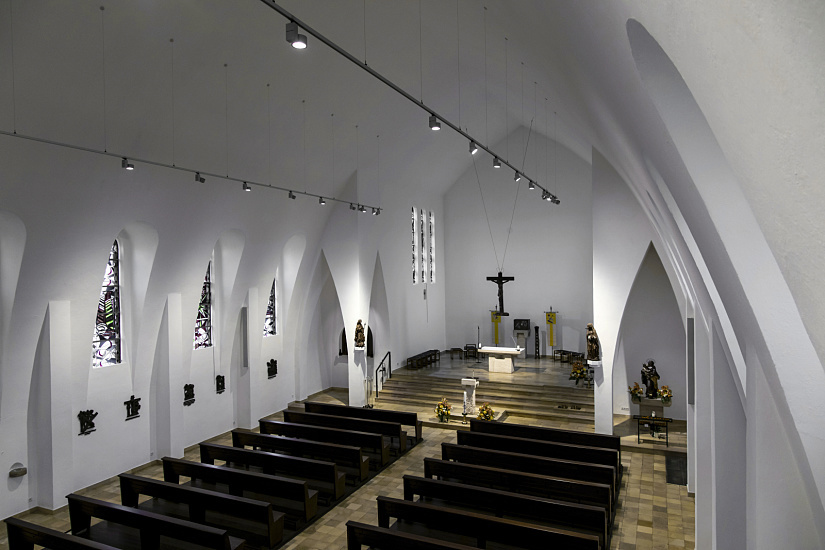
(432, 246)
(203, 324)
(414, 241)
(106, 341)
(423, 247)
(270, 320)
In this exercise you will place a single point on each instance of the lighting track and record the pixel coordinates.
(363, 65)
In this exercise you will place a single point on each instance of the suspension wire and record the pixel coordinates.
(365, 32)
(486, 215)
(226, 113)
(515, 202)
(13, 82)
(172, 47)
(486, 104)
(458, 58)
(506, 100)
(421, 57)
(103, 65)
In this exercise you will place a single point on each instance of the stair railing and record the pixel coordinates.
(383, 370)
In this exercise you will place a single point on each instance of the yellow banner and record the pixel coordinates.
(551, 323)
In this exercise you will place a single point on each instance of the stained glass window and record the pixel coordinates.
(269, 320)
(203, 324)
(106, 340)
(422, 248)
(414, 241)
(432, 246)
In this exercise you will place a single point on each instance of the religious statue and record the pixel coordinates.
(594, 351)
(650, 378)
(359, 335)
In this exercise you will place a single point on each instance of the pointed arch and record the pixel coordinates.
(271, 317)
(203, 322)
(106, 341)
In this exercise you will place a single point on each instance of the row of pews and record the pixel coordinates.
(260, 491)
(504, 484)
(424, 359)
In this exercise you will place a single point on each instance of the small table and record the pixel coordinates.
(653, 422)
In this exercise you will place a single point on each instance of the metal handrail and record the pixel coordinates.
(383, 370)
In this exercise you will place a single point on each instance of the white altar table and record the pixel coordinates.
(500, 359)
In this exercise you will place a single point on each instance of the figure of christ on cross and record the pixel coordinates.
(500, 280)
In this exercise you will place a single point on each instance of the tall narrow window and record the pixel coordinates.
(269, 321)
(423, 247)
(414, 241)
(106, 341)
(432, 246)
(203, 324)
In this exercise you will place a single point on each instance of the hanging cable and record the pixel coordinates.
(103, 65)
(487, 216)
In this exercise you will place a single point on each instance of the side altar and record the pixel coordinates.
(500, 359)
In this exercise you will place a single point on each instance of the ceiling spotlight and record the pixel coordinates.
(246, 187)
(199, 178)
(321, 201)
(126, 164)
(555, 200)
(531, 185)
(351, 206)
(291, 195)
(545, 196)
(361, 208)
(517, 177)
(496, 163)
(473, 148)
(376, 211)
(434, 124)
(298, 41)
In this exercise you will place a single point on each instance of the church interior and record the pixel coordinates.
(212, 212)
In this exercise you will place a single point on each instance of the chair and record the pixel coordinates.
(470, 350)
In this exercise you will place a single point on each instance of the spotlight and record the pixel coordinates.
(198, 177)
(361, 208)
(291, 195)
(376, 211)
(351, 206)
(517, 177)
(434, 124)
(298, 41)
(531, 185)
(126, 164)
(321, 201)
(496, 163)
(473, 148)
(555, 200)
(246, 187)
(545, 196)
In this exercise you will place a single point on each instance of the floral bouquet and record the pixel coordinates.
(442, 410)
(666, 395)
(486, 412)
(636, 392)
(579, 372)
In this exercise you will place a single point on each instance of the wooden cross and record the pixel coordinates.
(500, 280)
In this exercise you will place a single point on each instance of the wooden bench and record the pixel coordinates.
(379, 538)
(349, 458)
(130, 528)
(568, 490)
(568, 469)
(481, 527)
(23, 535)
(390, 429)
(550, 449)
(320, 475)
(253, 520)
(550, 434)
(364, 440)
(292, 496)
(424, 359)
(401, 417)
(581, 518)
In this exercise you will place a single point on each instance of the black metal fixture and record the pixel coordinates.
(298, 41)
(434, 124)
(125, 163)
(188, 394)
(199, 178)
(496, 162)
(291, 195)
(321, 201)
(132, 408)
(87, 421)
(246, 187)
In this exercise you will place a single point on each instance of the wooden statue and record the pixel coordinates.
(650, 378)
(359, 335)
(594, 351)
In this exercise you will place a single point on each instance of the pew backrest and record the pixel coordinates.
(329, 435)
(402, 417)
(378, 538)
(24, 535)
(390, 429)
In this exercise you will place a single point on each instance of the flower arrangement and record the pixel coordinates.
(486, 412)
(665, 395)
(636, 392)
(442, 410)
(579, 372)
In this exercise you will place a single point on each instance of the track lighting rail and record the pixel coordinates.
(363, 65)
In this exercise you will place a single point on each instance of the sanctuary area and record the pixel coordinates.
(422, 273)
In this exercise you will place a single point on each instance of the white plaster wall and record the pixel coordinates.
(549, 251)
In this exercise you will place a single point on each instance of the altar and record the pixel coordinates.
(500, 359)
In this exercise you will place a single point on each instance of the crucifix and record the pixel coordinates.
(500, 280)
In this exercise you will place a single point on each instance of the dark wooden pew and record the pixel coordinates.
(253, 520)
(348, 457)
(23, 535)
(130, 528)
(568, 469)
(390, 429)
(590, 520)
(376, 442)
(292, 496)
(320, 475)
(482, 527)
(379, 538)
(550, 434)
(401, 417)
(550, 449)
(580, 492)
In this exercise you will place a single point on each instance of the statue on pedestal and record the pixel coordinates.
(650, 378)
(359, 335)
(594, 351)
